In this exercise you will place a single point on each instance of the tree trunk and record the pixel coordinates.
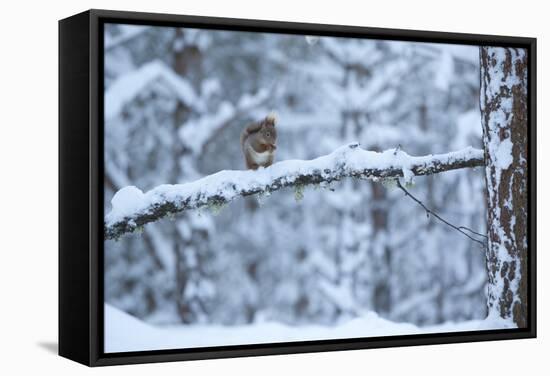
(186, 64)
(503, 103)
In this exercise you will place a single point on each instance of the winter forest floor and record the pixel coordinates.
(124, 332)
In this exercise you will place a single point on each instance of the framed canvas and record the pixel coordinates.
(233, 187)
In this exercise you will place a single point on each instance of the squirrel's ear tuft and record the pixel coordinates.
(272, 117)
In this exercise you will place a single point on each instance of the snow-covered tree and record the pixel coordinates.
(322, 235)
(504, 109)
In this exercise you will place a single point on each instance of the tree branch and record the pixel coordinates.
(132, 208)
(462, 229)
(197, 133)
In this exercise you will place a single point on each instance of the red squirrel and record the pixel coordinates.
(258, 143)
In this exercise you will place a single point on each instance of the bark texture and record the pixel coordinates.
(503, 103)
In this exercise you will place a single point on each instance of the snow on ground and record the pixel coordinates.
(126, 333)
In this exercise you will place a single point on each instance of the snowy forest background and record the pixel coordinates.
(176, 101)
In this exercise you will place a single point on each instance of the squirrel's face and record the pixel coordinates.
(268, 133)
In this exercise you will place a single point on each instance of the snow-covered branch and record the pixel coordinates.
(132, 209)
(195, 134)
(128, 33)
(128, 86)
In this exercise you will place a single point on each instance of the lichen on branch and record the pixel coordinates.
(132, 209)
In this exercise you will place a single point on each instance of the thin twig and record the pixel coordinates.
(429, 211)
(473, 232)
(397, 149)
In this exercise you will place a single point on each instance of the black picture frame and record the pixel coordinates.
(81, 187)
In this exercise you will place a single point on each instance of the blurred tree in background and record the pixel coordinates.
(175, 103)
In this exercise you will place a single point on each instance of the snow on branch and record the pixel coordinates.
(128, 32)
(132, 209)
(128, 86)
(197, 133)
